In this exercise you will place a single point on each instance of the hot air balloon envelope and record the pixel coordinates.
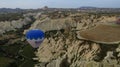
(35, 37)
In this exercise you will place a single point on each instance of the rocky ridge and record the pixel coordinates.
(62, 48)
(13, 25)
(77, 21)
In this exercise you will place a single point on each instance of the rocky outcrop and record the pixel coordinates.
(79, 21)
(62, 48)
(53, 24)
(65, 50)
(13, 25)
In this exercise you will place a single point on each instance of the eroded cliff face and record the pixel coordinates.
(13, 25)
(78, 21)
(62, 48)
(66, 47)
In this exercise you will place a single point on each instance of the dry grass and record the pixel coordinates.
(102, 33)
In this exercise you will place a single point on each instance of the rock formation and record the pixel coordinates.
(13, 25)
(62, 48)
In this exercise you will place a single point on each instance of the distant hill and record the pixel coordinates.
(90, 7)
(98, 9)
(10, 10)
(87, 7)
(83, 8)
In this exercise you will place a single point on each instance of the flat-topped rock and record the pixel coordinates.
(108, 34)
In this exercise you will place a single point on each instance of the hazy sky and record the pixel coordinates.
(58, 3)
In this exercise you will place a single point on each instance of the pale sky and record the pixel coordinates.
(58, 3)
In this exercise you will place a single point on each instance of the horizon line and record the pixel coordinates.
(58, 7)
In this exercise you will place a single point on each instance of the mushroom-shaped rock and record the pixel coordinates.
(107, 34)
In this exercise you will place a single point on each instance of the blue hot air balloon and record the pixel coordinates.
(35, 37)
